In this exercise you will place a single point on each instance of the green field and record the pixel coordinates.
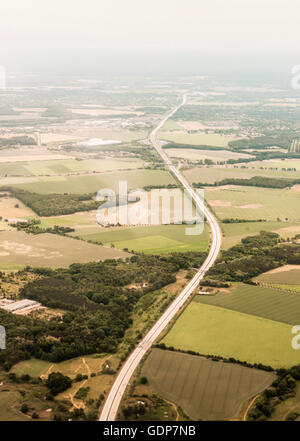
(182, 137)
(272, 304)
(218, 331)
(288, 275)
(151, 240)
(205, 389)
(88, 219)
(211, 174)
(10, 405)
(93, 183)
(278, 164)
(65, 166)
(171, 125)
(197, 155)
(233, 233)
(254, 203)
(18, 248)
(286, 287)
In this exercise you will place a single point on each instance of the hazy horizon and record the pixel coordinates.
(193, 37)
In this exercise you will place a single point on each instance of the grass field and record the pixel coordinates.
(253, 203)
(286, 275)
(151, 240)
(98, 384)
(10, 406)
(213, 330)
(18, 248)
(120, 134)
(93, 183)
(65, 166)
(13, 395)
(84, 218)
(205, 389)
(278, 163)
(197, 155)
(211, 174)
(171, 125)
(272, 304)
(233, 233)
(182, 137)
(286, 287)
(40, 368)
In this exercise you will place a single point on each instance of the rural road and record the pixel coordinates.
(110, 409)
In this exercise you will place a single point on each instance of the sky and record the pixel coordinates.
(211, 26)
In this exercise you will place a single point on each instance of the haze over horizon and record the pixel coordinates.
(132, 36)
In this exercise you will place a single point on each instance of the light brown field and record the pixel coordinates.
(192, 125)
(30, 109)
(292, 229)
(100, 112)
(19, 248)
(8, 209)
(45, 157)
(220, 187)
(217, 203)
(283, 269)
(47, 138)
(249, 206)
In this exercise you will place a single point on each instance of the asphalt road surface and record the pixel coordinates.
(114, 397)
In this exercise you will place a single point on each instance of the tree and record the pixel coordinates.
(58, 382)
(24, 408)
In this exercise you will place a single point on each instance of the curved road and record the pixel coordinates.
(114, 397)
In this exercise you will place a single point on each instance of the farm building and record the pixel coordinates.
(24, 304)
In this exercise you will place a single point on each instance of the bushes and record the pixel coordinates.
(54, 204)
(24, 408)
(97, 302)
(32, 226)
(17, 140)
(82, 392)
(253, 256)
(260, 181)
(58, 382)
(281, 389)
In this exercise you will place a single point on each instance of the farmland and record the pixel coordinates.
(213, 330)
(182, 137)
(278, 164)
(285, 275)
(66, 166)
(205, 389)
(12, 208)
(234, 232)
(150, 240)
(272, 304)
(93, 183)
(18, 248)
(210, 175)
(197, 155)
(249, 203)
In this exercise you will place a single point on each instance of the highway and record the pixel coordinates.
(110, 409)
